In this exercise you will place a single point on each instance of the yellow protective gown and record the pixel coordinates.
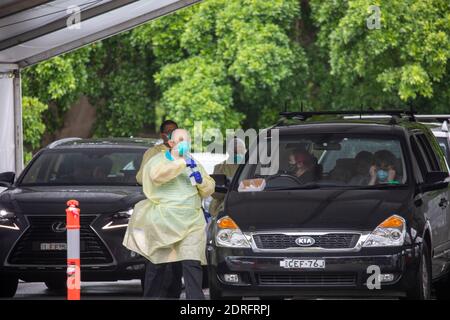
(147, 156)
(228, 169)
(169, 225)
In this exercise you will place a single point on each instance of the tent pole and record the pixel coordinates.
(18, 129)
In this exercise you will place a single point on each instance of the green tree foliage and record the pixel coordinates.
(58, 82)
(228, 56)
(122, 87)
(33, 126)
(403, 61)
(237, 63)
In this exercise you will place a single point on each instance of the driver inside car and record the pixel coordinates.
(302, 164)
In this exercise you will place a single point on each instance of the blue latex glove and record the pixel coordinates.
(190, 163)
(207, 215)
(197, 176)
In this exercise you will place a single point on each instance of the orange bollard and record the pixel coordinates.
(73, 250)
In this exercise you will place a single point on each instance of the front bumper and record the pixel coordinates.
(110, 263)
(345, 274)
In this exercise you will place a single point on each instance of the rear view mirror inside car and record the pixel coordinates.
(327, 146)
(250, 185)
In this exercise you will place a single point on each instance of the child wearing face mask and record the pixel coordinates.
(383, 169)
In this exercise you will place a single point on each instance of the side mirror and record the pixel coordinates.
(7, 179)
(435, 180)
(221, 182)
(434, 177)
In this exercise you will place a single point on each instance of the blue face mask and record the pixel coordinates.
(238, 158)
(382, 175)
(183, 148)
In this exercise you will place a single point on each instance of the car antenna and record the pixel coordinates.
(412, 112)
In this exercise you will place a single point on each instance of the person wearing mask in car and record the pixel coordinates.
(169, 226)
(165, 130)
(383, 169)
(305, 166)
(172, 283)
(236, 151)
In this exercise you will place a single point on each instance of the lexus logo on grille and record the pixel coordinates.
(59, 226)
(305, 241)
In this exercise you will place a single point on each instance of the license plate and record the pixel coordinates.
(53, 246)
(302, 264)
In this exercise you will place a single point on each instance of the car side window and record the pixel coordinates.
(429, 153)
(420, 160)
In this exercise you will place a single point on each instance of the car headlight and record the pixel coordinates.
(229, 235)
(7, 220)
(119, 220)
(390, 233)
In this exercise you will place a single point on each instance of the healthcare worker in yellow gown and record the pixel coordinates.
(169, 226)
(165, 130)
(172, 281)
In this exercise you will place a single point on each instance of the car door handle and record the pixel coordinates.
(443, 203)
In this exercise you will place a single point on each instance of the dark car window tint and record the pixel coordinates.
(444, 144)
(429, 153)
(84, 167)
(418, 154)
(333, 160)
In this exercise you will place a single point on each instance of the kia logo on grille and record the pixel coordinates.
(59, 226)
(305, 241)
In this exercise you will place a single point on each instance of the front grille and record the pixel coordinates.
(326, 241)
(307, 279)
(27, 250)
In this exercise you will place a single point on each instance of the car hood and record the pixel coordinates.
(316, 209)
(52, 200)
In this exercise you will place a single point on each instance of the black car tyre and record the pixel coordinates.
(57, 285)
(271, 298)
(214, 292)
(442, 289)
(8, 287)
(422, 288)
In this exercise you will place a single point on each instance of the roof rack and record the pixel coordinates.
(433, 117)
(395, 114)
(61, 141)
(444, 119)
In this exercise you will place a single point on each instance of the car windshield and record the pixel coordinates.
(99, 166)
(329, 160)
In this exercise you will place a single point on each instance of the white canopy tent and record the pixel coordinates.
(36, 30)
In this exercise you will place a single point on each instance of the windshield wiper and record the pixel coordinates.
(318, 186)
(308, 186)
(379, 186)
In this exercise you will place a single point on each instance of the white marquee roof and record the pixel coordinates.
(35, 30)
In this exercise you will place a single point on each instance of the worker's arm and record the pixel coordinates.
(147, 155)
(208, 185)
(165, 171)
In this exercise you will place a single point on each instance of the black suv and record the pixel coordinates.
(344, 229)
(100, 174)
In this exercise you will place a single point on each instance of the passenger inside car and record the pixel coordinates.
(362, 164)
(102, 169)
(384, 169)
